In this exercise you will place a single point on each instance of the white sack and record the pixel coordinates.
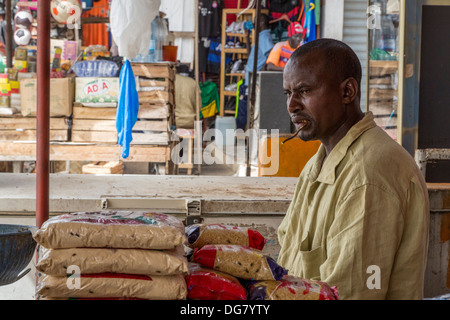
(130, 23)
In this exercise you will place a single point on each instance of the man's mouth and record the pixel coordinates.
(300, 124)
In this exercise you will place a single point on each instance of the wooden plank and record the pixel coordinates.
(146, 111)
(93, 125)
(110, 125)
(151, 125)
(30, 123)
(94, 136)
(382, 94)
(102, 167)
(145, 84)
(161, 138)
(80, 112)
(154, 111)
(156, 97)
(153, 70)
(150, 138)
(10, 151)
(30, 135)
(382, 67)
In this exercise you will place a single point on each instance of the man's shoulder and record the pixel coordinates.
(380, 158)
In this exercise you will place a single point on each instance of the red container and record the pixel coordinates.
(170, 53)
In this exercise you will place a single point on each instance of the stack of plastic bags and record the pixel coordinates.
(111, 255)
(228, 264)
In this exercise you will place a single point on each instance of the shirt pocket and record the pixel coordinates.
(310, 260)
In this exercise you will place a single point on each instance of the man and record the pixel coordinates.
(359, 217)
(186, 98)
(265, 44)
(281, 52)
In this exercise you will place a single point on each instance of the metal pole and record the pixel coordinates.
(9, 34)
(43, 113)
(251, 106)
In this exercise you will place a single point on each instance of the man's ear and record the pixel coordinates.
(349, 90)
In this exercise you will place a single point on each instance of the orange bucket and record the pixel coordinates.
(170, 53)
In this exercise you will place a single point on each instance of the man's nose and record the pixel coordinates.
(293, 105)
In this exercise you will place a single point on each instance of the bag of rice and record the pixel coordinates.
(239, 261)
(100, 260)
(113, 229)
(115, 286)
(291, 288)
(208, 284)
(199, 235)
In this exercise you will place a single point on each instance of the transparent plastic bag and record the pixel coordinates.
(96, 68)
(199, 235)
(239, 261)
(291, 288)
(111, 229)
(131, 27)
(113, 285)
(105, 260)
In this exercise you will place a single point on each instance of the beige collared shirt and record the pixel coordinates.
(360, 222)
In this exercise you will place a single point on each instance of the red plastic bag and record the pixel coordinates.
(207, 284)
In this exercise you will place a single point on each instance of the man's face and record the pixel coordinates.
(295, 40)
(314, 98)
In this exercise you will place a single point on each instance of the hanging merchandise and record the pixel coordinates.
(66, 11)
(210, 18)
(127, 108)
(96, 33)
(210, 99)
(278, 8)
(23, 21)
(310, 23)
(131, 27)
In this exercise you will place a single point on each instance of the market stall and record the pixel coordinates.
(97, 215)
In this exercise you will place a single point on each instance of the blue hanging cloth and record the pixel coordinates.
(127, 108)
(310, 23)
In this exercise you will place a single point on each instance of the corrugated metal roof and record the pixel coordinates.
(355, 35)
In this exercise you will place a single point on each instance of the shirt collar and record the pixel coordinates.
(327, 172)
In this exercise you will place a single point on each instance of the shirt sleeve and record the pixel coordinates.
(266, 45)
(362, 244)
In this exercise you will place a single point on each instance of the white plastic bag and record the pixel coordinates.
(130, 25)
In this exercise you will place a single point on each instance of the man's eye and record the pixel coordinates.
(287, 93)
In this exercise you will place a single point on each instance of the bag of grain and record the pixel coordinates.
(291, 288)
(116, 286)
(55, 262)
(208, 284)
(112, 229)
(199, 235)
(239, 261)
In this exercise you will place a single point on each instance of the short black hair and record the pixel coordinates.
(265, 19)
(339, 57)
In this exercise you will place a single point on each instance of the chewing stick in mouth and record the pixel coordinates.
(295, 134)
